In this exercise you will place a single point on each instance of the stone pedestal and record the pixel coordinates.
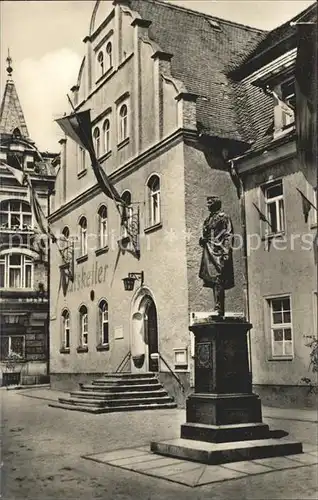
(223, 394)
(223, 409)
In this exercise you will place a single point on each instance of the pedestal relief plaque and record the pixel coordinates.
(204, 355)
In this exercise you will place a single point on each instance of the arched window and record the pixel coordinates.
(83, 235)
(123, 123)
(102, 227)
(66, 329)
(15, 215)
(16, 132)
(106, 129)
(103, 322)
(100, 60)
(81, 159)
(16, 271)
(83, 316)
(127, 214)
(109, 56)
(96, 136)
(153, 186)
(65, 236)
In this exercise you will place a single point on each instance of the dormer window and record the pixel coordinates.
(285, 104)
(288, 92)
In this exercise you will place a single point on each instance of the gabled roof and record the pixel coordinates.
(275, 43)
(205, 49)
(11, 114)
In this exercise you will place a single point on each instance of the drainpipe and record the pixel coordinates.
(241, 191)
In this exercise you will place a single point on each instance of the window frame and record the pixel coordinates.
(130, 212)
(100, 64)
(109, 56)
(280, 220)
(107, 135)
(26, 261)
(83, 319)
(66, 327)
(154, 195)
(10, 352)
(103, 316)
(83, 236)
(102, 227)
(21, 214)
(81, 160)
(280, 326)
(96, 137)
(123, 122)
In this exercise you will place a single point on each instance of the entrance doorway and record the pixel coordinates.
(144, 340)
(151, 334)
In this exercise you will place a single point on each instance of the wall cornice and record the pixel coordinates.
(126, 169)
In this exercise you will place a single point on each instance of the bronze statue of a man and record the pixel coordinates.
(216, 268)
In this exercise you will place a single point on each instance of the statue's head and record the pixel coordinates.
(214, 203)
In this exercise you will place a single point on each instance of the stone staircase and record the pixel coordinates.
(118, 392)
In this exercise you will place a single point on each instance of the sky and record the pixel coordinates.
(46, 45)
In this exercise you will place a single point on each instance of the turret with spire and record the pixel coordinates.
(12, 119)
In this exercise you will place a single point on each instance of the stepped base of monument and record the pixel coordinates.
(221, 453)
(224, 433)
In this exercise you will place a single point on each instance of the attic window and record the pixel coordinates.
(16, 132)
(214, 24)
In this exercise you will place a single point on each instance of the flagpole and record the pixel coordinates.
(83, 131)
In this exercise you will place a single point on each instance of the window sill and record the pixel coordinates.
(102, 250)
(102, 347)
(153, 228)
(105, 156)
(123, 143)
(272, 236)
(281, 358)
(314, 226)
(82, 173)
(82, 348)
(82, 258)
(104, 75)
(65, 350)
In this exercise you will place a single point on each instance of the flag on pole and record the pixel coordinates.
(38, 213)
(306, 93)
(78, 127)
(307, 205)
(18, 174)
(262, 216)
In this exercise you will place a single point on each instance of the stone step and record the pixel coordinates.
(121, 388)
(129, 375)
(126, 381)
(114, 402)
(93, 409)
(119, 395)
(221, 453)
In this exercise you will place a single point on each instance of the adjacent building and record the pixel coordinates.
(23, 254)
(169, 110)
(282, 243)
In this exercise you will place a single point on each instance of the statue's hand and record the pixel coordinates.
(202, 242)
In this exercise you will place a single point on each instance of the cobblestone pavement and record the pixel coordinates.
(43, 447)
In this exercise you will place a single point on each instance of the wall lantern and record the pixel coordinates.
(129, 282)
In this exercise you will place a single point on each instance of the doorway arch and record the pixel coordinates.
(144, 332)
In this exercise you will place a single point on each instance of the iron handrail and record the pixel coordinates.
(123, 362)
(172, 372)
